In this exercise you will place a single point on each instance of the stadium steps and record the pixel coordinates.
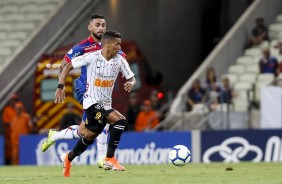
(22, 18)
(231, 60)
(28, 29)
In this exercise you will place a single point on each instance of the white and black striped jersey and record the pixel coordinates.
(101, 76)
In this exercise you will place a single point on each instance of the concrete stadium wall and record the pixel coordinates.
(168, 33)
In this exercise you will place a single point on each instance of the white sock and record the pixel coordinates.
(69, 133)
(102, 141)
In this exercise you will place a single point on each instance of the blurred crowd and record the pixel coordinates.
(214, 91)
(145, 115)
(16, 122)
(268, 63)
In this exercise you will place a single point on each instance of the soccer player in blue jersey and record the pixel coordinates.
(97, 27)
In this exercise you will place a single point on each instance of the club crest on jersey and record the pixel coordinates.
(114, 70)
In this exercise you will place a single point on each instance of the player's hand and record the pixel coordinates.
(128, 86)
(59, 96)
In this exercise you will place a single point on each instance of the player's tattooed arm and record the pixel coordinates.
(62, 65)
(60, 94)
(129, 84)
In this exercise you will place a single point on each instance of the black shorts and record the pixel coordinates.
(96, 114)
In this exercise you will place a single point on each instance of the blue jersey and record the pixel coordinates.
(87, 45)
(268, 65)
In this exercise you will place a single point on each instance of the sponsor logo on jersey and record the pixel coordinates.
(75, 55)
(91, 47)
(98, 106)
(103, 83)
(70, 51)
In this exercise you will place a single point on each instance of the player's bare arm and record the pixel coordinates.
(63, 64)
(60, 94)
(129, 84)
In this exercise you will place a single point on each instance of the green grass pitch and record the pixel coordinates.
(216, 173)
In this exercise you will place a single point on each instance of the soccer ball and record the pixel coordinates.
(180, 155)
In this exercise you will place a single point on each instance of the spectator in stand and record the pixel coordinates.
(155, 100)
(34, 128)
(213, 92)
(196, 94)
(212, 87)
(158, 104)
(226, 92)
(268, 64)
(259, 32)
(70, 118)
(8, 113)
(147, 118)
(279, 46)
(132, 111)
(210, 76)
(20, 125)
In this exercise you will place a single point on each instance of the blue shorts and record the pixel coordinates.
(80, 89)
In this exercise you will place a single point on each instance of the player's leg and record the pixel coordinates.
(102, 141)
(72, 132)
(119, 123)
(93, 127)
(81, 145)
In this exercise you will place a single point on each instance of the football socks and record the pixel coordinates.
(115, 134)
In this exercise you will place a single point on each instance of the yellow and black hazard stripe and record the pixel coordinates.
(49, 114)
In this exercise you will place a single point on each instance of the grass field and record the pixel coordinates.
(216, 173)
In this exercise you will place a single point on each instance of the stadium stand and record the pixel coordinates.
(253, 52)
(275, 31)
(18, 19)
(22, 24)
(242, 69)
(236, 69)
(232, 78)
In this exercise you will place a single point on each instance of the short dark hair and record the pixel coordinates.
(96, 16)
(110, 34)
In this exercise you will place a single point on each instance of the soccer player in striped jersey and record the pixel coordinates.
(103, 67)
(97, 27)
